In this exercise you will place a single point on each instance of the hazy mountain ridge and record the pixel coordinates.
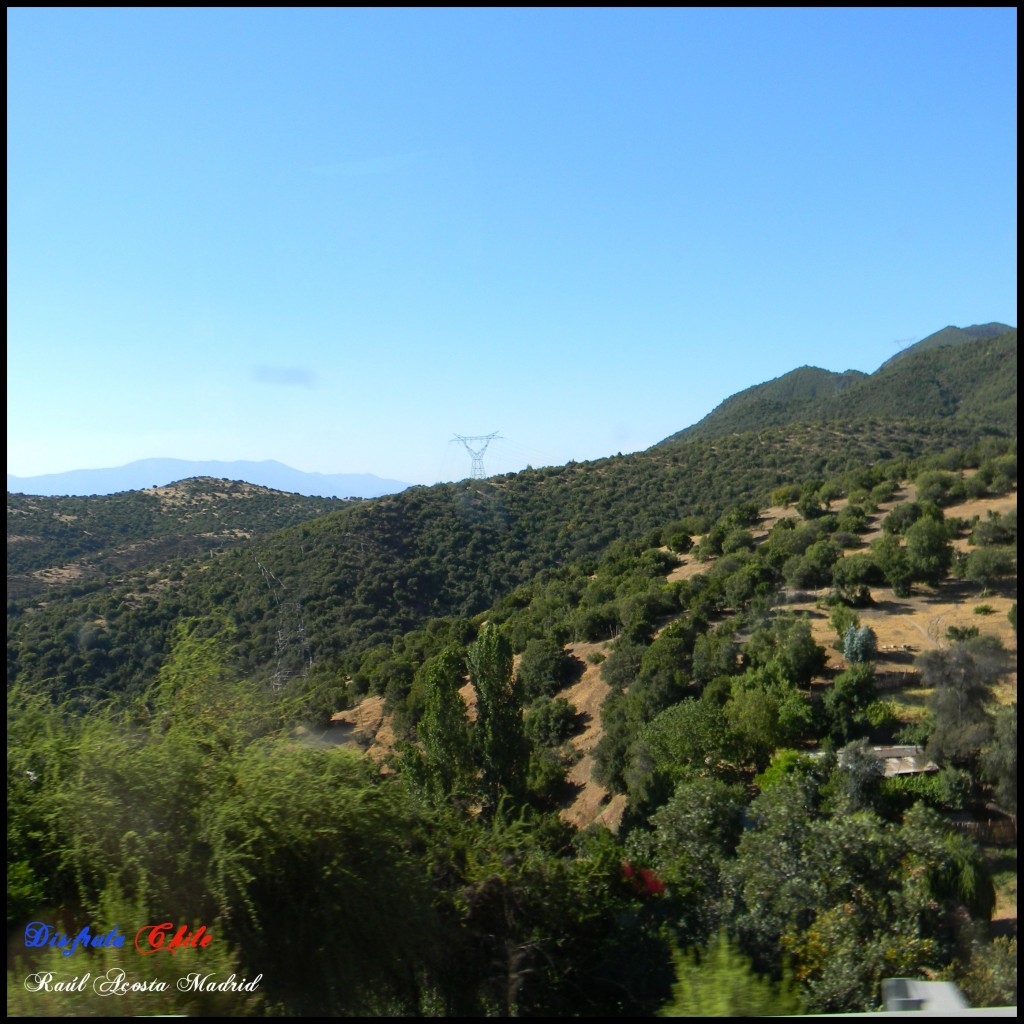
(146, 473)
(55, 541)
(954, 372)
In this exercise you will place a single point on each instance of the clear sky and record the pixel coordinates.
(338, 237)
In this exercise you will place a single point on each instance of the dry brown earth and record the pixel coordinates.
(592, 802)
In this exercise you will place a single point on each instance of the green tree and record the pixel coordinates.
(503, 747)
(928, 550)
(544, 668)
(850, 898)
(738, 539)
(852, 578)
(444, 728)
(902, 517)
(680, 543)
(714, 655)
(995, 530)
(961, 678)
(892, 559)
(857, 777)
(815, 568)
(753, 716)
(987, 565)
(692, 733)
(848, 699)
(788, 642)
(691, 839)
(809, 505)
(620, 668)
(999, 758)
(549, 723)
(841, 619)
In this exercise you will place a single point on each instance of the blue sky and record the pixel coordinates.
(336, 238)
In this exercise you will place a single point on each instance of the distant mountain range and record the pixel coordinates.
(963, 373)
(157, 472)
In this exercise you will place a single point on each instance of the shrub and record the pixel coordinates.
(680, 543)
(549, 723)
(544, 668)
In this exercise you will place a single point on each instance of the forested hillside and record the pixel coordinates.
(172, 755)
(52, 542)
(320, 594)
(950, 336)
(969, 375)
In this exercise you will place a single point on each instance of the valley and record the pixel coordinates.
(529, 734)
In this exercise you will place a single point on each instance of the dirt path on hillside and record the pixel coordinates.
(592, 802)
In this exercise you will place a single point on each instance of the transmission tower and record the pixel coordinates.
(476, 454)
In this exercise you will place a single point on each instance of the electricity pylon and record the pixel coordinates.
(476, 454)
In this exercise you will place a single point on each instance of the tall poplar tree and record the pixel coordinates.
(502, 742)
(444, 728)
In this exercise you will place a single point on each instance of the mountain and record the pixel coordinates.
(967, 380)
(343, 584)
(950, 336)
(173, 738)
(954, 373)
(155, 472)
(771, 404)
(56, 542)
(332, 590)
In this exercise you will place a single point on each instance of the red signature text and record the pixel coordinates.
(154, 937)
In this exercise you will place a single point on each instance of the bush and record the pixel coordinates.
(881, 714)
(544, 669)
(680, 543)
(990, 978)
(842, 620)
(784, 495)
(958, 634)
(549, 723)
(902, 517)
(948, 789)
(737, 540)
(987, 565)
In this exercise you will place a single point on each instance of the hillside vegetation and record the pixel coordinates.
(698, 648)
(55, 541)
(951, 336)
(324, 592)
(968, 374)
